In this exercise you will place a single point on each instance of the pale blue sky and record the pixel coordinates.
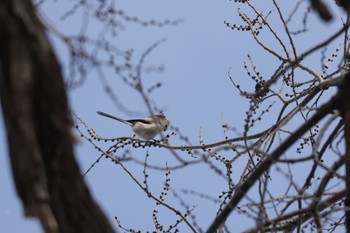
(197, 55)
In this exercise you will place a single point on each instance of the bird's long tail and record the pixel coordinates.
(113, 117)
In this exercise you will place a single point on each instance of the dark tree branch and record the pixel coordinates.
(343, 3)
(289, 221)
(345, 110)
(321, 9)
(39, 125)
(241, 190)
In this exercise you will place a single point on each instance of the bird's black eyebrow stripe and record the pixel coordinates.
(133, 121)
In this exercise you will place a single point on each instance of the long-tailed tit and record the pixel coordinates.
(146, 128)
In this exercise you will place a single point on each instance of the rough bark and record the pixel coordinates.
(345, 110)
(38, 125)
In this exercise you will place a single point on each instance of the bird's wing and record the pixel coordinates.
(144, 121)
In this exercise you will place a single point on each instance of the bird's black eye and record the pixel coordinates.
(165, 127)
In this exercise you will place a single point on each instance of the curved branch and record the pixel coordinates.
(242, 189)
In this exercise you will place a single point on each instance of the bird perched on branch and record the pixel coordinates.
(146, 128)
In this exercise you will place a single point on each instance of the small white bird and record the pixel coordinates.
(146, 128)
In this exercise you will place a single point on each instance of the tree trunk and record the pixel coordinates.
(39, 126)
